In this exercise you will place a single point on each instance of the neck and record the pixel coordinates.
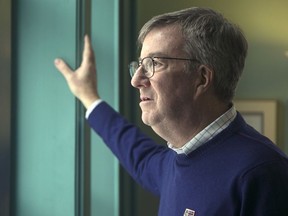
(178, 133)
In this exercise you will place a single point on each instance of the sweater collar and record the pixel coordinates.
(207, 133)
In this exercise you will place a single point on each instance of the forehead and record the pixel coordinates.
(164, 41)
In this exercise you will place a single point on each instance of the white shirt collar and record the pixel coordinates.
(207, 133)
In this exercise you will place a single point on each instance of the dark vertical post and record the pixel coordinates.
(128, 18)
(5, 106)
(82, 162)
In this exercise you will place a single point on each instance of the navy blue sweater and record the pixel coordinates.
(239, 172)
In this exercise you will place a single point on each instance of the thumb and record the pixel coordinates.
(62, 67)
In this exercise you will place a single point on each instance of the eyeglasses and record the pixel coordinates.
(151, 64)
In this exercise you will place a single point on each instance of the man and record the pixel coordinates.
(216, 164)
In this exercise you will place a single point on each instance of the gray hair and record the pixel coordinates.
(210, 38)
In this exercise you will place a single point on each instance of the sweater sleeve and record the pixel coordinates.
(138, 154)
(265, 190)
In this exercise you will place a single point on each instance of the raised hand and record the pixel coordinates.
(82, 82)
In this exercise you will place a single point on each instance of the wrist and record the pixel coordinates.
(88, 101)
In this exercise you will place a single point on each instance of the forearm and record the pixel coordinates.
(138, 153)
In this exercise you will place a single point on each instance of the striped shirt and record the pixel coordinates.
(207, 133)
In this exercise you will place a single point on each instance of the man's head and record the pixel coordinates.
(211, 39)
(189, 65)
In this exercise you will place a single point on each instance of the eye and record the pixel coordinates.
(157, 63)
(147, 64)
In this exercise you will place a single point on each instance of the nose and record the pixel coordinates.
(139, 79)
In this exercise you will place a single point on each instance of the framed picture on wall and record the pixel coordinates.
(260, 114)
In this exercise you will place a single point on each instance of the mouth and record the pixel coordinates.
(143, 99)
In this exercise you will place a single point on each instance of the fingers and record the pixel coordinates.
(88, 54)
(82, 81)
(87, 59)
(62, 67)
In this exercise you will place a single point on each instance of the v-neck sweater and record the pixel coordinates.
(238, 172)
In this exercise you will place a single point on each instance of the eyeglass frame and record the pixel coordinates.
(139, 63)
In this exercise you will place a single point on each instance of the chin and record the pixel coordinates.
(147, 118)
(150, 119)
(146, 121)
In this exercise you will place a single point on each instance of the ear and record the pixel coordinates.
(205, 79)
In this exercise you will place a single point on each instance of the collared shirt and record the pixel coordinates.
(207, 133)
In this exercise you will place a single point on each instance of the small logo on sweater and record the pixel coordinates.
(189, 212)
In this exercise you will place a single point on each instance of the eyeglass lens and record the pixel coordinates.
(147, 65)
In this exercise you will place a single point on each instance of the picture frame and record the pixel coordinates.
(260, 114)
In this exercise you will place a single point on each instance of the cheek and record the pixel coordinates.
(170, 96)
(182, 88)
(163, 90)
(174, 89)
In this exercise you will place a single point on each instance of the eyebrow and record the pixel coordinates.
(154, 54)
